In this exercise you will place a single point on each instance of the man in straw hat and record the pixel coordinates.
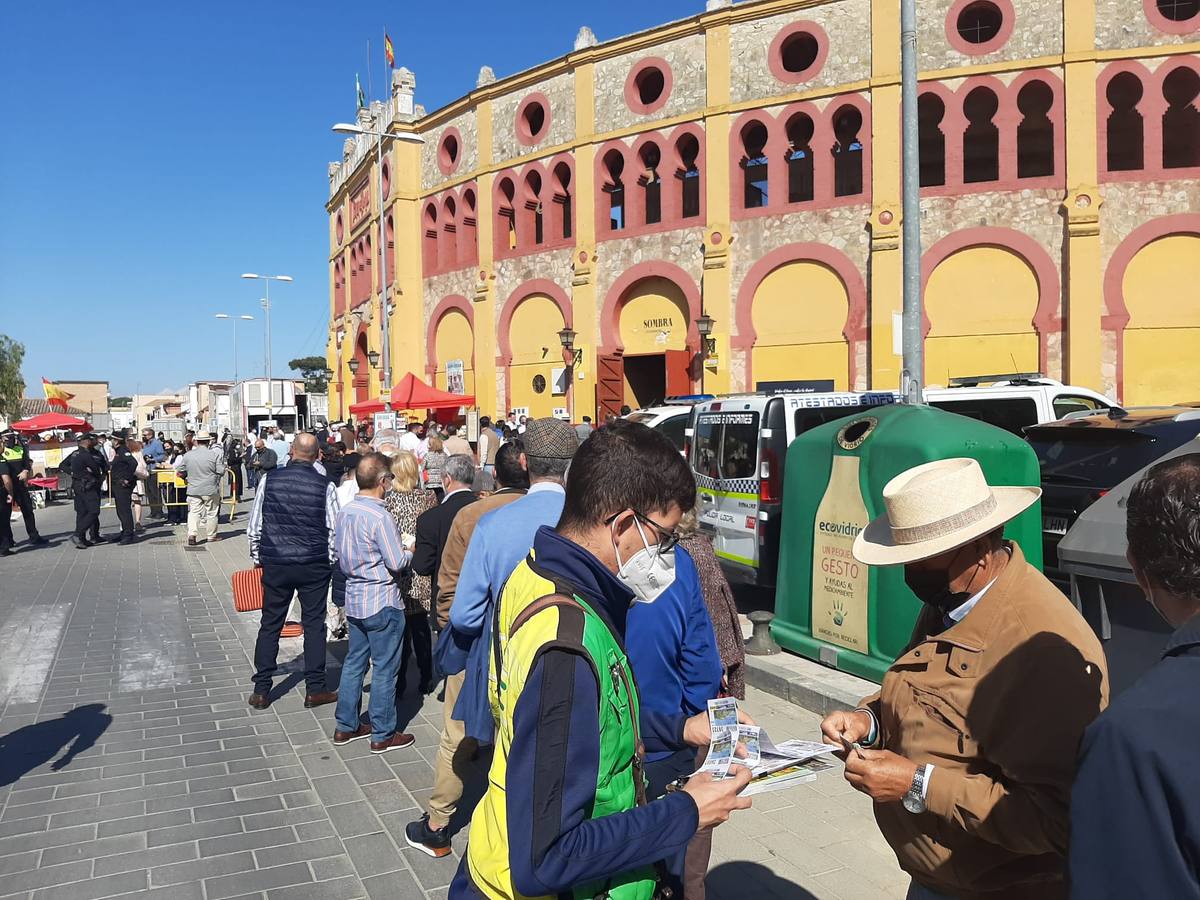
(969, 749)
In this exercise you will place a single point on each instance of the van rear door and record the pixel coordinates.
(725, 461)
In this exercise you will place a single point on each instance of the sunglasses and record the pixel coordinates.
(667, 538)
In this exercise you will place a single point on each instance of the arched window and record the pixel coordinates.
(754, 165)
(650, 183)
(448, 250)
(1035, 134)
(800, 168)
(354, 274)
(389, 233)
(506, 214)
(562, 202)
(1126, 130)
(688, 149)
(848, 152)
(614, 166)
(531, 203)
(931, 141)
(1181, 121)
(467, 250)
(981, 140)
(429, 244)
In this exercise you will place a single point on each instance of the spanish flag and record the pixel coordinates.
(55, 395)
(389, 51)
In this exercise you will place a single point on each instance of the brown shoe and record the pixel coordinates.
(397, 741)
(319, 699)
(259, 701)
(345, 737)
(191, 542)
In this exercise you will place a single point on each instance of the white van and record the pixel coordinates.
(737, 448)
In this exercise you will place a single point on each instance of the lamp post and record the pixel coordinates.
(266, 305)
(412, 138)
(235, 320)
(704, 327)
(353, 365)
(571, 357)
(373, 358)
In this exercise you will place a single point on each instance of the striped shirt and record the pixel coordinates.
(369, 550)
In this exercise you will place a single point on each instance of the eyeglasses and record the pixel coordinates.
(667, 538)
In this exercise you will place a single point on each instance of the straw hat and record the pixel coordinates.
(937, 507)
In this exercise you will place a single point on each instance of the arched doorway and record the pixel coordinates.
(454, 349)
(1161, 361)
(362, 378)
(799, 313)
(536, 374)
(980, 303)
(653, 329)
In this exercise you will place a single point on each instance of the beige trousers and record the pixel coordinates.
(202, 516)
(454, 755)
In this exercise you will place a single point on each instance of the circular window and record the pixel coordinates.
(449, 151)
(533, 119)
(539, 384)
(1178, 10)
(1173, 16)
(648, 86)
(975, 27)
(798, 52)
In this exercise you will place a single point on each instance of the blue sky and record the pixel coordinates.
(152, 152)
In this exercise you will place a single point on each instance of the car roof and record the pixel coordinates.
(1128, 420)
(663, 411)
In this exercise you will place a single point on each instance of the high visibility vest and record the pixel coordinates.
(535, 613)
(14, 454)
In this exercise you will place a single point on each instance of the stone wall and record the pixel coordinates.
(1122, 24)
(617, 256)
(554, 265)
(437, 288)
(848, 26)
(560, 91)
(431, 174)
(1037, 31)
(686, 57)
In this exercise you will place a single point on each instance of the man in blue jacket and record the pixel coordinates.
(1135, 807)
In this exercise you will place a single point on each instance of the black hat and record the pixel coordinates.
(121, 434)
(88, 436)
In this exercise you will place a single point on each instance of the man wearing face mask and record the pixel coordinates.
(1135, 808)
(565, 811)
(969, 748)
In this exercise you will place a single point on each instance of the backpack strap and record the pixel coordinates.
(537, 606)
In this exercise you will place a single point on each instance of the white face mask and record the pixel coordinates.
(648, 572)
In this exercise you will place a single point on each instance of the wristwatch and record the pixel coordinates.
(914, 800)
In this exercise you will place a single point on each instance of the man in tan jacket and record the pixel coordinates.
(969, 749)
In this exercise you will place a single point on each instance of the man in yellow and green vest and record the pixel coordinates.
(565, 813)
(20, 467)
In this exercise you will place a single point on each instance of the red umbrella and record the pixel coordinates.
(367, 407)
(50, 421)
(413, 393)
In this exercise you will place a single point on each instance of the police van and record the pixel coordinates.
(737, 448)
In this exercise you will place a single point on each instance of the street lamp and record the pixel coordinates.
(704, 327)
(353, 365)
(408, 137)
(266, 305)
(572, 357)
(373, 358)
(235, 320)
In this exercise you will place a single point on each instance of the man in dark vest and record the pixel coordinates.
(291, 536)
(88, 468)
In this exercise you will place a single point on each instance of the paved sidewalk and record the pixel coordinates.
(131, 766)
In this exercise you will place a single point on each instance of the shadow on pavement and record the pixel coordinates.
(751, 879)
(25, 749)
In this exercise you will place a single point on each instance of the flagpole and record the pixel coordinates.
(370, 89)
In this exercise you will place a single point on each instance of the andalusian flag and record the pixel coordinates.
(389, 51)
(55, 395)
(362, 98)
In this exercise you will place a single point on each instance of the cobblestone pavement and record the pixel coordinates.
(131, 766)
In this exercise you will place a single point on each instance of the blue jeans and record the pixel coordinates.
(374, 641)
(918, 891)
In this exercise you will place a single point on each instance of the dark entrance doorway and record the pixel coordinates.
(645, 379)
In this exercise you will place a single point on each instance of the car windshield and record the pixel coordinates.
(1103, 458)
(644, 417)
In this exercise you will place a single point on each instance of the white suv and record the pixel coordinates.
(671, 419)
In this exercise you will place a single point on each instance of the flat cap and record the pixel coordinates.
(550, 439)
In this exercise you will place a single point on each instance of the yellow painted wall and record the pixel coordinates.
(799, 313)
(980, 303)
(1162, 340)
(454, 340)
(536, 350)
(644, 318)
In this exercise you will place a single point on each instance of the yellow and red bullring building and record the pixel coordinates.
(745, 164)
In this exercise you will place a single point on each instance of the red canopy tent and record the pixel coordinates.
(413, 393)
(50, 421)
(367, 407)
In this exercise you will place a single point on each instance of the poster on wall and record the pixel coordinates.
(519, 411)
(456, 381)
(384, 421)
(558, 378)
(560, 412)
(839, 581)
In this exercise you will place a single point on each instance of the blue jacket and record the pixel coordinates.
(501, 540)
(294, 529)
(673, 649)
(1135, 807)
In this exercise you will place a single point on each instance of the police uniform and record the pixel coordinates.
(124, 480)
(6, 535)
(16, 459)
(88, 468)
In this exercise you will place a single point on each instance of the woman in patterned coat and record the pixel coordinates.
(405, 501)
(718, 597)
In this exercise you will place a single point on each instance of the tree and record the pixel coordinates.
(12, 385)
(121, 402)
(312, 370)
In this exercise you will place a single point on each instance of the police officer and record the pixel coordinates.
(124, 480)
(6, 486)
(20, 468)
(88, 468)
